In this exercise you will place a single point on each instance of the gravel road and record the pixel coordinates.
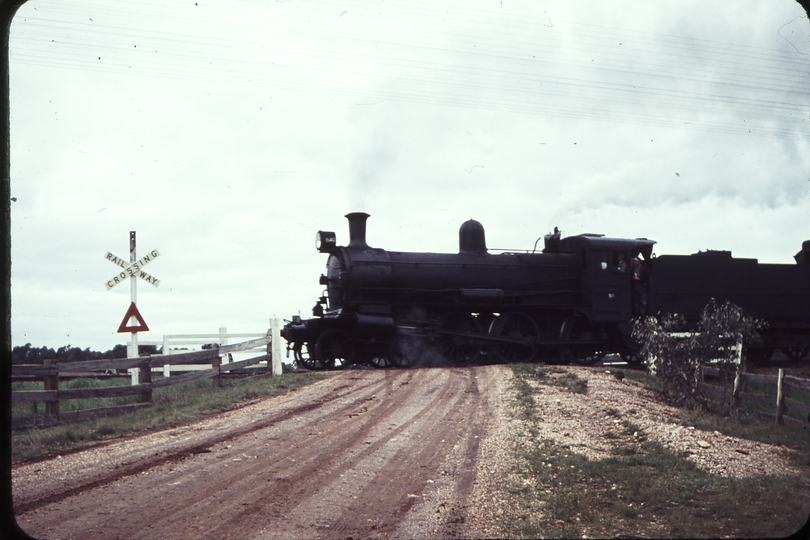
(363, 454)
(419, 453)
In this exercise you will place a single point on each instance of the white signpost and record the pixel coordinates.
(132, 270)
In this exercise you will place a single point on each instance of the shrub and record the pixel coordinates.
(676, 355)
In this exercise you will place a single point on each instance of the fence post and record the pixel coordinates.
(133, 374)
(51, 383)
(146, 378)
(275, 343)
(780, 398)
(215, 363)
(738, 382)
(738, 349)
(167, 368)
(223, 340)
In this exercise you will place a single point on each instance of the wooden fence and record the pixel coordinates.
(781, 403)
(50, 371)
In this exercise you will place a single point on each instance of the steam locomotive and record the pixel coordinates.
(574, 300)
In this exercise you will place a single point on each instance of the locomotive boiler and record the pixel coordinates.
(573, 299)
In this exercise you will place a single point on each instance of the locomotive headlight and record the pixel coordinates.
(325, 241)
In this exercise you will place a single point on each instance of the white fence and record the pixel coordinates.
(184, 343)
(737, 348)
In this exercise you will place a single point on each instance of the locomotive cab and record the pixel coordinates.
(607, 291)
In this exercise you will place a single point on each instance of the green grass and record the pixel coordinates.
(172, 406)
(643, 489)
(553, 376)
(644, 378)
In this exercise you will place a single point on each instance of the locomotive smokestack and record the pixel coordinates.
(357, 229)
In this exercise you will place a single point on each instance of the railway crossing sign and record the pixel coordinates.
(133, 312)
(132, 269)
(133, 321)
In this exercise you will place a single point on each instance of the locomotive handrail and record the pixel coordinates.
(518, 341)
(444, 263)
(532, 292)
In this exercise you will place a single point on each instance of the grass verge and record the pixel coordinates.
(643, 489)
(740, 423)
(172, 406)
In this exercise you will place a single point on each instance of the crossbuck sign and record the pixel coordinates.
(132, 269)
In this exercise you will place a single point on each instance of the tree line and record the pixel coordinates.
(28, 354)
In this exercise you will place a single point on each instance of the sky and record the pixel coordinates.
(227, 132)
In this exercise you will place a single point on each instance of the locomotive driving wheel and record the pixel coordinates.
(523, 334)
(302, 356)
(381, 362)
(457, 333)
(584, 349)
(334, 348)
(795, 353)
(630, 357)
(758, 355)
(404, 351)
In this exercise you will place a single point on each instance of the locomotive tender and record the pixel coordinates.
(575, 300)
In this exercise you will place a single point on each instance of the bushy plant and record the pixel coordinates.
(675, 352)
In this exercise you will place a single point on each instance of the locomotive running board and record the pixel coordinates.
(504, 339)
(426, 332)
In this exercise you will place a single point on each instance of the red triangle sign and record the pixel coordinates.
(133, 312)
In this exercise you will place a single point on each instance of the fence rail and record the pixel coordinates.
(50, 371)
(782, 404)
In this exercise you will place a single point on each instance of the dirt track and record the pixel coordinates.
(364, 454)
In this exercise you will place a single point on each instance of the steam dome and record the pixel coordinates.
(471, 238)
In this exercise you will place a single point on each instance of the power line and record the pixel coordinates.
(465, 78)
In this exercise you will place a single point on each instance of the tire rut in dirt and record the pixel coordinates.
(180, 454)
(411, 468)
(167, 501)
(318, 469)
(311, 482)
